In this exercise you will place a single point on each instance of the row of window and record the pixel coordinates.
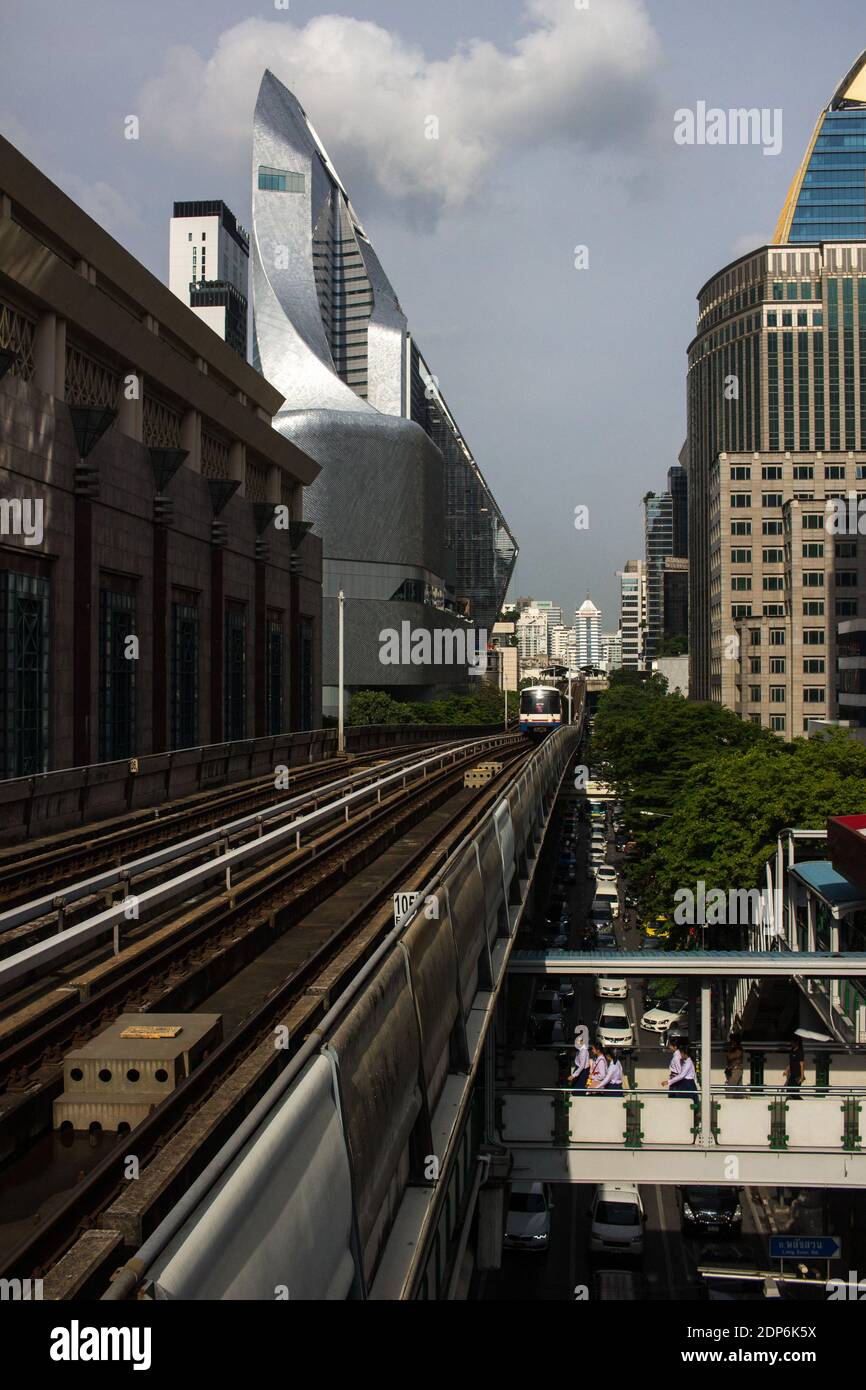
(25, 673)
(812, 694)
(812, 608)
(803, 472)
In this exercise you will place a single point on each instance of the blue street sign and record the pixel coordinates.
(804, 1247)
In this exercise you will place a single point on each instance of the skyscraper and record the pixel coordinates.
(208, 267)
(587, 627)
(776, 428)
(632, 613)
(658, 541)
(411, 533)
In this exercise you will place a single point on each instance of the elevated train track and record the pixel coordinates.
(299, 914)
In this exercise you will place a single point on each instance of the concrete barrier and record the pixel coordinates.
(34, 806)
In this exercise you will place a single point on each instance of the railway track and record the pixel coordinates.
(56, 860)
(330, 890)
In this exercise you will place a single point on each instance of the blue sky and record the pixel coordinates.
(569, 385)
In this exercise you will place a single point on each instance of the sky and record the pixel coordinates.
(556, 123)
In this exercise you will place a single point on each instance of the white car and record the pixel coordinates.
(606, 873)
(612, 1028)
(617, 1220)
(527, 1225)
(611, 987)
(663, 1017)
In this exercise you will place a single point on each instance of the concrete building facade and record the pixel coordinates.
(159, 603)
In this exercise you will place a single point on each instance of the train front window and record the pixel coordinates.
(540, 701)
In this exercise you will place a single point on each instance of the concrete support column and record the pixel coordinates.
(190, 439)
(82, 666)
(260, 649)
(217, 629)
(44, 353)
(160, 637)
(706, 1064)
(238, 463)
(130, 412)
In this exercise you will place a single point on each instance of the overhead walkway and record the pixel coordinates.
(761, 1135)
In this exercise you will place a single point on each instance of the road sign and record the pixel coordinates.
(804, 1247)
(403, 904)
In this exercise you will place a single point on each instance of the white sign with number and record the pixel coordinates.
(403, 904)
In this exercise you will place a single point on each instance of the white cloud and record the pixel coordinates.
(579, 76)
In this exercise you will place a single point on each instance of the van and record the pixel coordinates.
(606, 895)
(617, 1220)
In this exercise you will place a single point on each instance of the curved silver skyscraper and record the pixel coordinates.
(410, 531)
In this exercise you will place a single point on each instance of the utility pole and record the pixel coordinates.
(341, 732)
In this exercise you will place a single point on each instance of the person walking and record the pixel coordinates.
(681, 1075)
(597, 1068)
(795, 1072)
(734, 1062)
(580, 1071)
(612, 1081)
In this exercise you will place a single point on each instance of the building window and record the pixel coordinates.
(777, 666)
(774, 582)
(813, 521)
(741, 528)
(771, 472)
(777, 637)
(754, 665)
(117, 670)
(813, 579)
(813, 550)
(184, 675)
(741, 582)
(741, 557)
(741, 610)
(280, 180)
(846, 579)
(774, 556)
(846, 608)
(274, 668)
(755, 694)
(803, 472)
(235, 673)
(755, 637)
(24, 674)
(777, 723)
(813, 637)
(813, 665)
(777, 694)
(846, 550)
(741, 473)
(813, 695)
(741, 499)
(771, 528)
(771, 499)
(834, 472)
(774, 610)
(813, 608)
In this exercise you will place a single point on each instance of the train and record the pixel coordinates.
(545, 706)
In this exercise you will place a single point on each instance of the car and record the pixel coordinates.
(605, 939)
(556, 941)
(565, 986)
(613, 1028)
(664, 1016)
(710, 1210)
(657, 927)
(606, 873)
(617, 1220)
(527, 1223)
(597, 855)
(546, 1004)
(611, 987)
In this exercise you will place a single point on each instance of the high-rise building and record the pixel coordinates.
(632, 613)
(675, 599)
(658, 541)
(411, 532)
(611, 651)
(776, 429)
(559, 638)
(208, 267)
(532, 634)
(587, 628)
(678, 487)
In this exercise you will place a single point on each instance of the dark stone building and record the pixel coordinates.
(157, 587)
